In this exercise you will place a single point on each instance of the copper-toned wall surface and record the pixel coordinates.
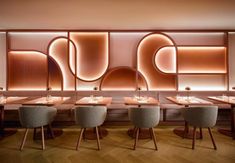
(123, 48)
(232, 59)
(202, 60)
(27, 70)
(58, 50)
(122, 78)
(3, 60)
(92, 54)
(55, 75)
(145, 55)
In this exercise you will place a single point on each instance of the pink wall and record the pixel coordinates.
(119, 14)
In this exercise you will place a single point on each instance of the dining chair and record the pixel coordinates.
(147, 117)
(32, 117)
(201, 117)
(90, 117)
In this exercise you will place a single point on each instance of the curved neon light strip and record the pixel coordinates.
(62, 66)
(101, 71)
(140, 67)
(72, 53)
(165, 60)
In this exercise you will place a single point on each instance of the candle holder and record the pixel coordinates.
(187, 89)
(139, 89)
(48, 98)
(1, 95)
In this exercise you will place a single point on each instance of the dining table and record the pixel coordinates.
(140, 102)
(3, 102)
(231, 101)
(90, 134)
(186, 101)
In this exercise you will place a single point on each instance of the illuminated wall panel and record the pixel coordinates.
(37, 41)
(202, 60)
(87, 86)
(123, 78)
(203, 82)
(197, 38)
(3, 59)
(123, 48)
(58, 50)
(146, 51)
(165, 59)
(27, 70)
(92, 54)
(231, 60)
(55, 75)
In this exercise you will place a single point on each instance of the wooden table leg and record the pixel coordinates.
(186, 132)
(3, 131)
(2, 120)
(49, 134)
(229, 132)
(90, 134)
(143, 133)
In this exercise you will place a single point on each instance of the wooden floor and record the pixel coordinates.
(117, 148)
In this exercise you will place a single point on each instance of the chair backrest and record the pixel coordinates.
(145, 117)
(203, 116)
(92, 116)
(36, 116)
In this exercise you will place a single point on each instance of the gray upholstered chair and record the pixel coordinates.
(201, 117)
(35, 117)
(145, 118)
(90, 117)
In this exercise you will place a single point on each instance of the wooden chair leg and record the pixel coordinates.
(194, 137)
(43, 141)
(213, 141)
(150, 133)
(24, 139)
(51, 131)
(80, 138)
(134, 132)
(34, 133)
(97, 137)
(136, 137)
(84, 134)
(100, 132)
(201, 134)
(154, 138)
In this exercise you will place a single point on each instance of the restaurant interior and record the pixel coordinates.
(117, 81)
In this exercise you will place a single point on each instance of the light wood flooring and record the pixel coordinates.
(117, 148)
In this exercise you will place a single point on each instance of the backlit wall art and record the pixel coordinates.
(118, 60)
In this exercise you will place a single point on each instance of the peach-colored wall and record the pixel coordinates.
(117, 14)
(232, 59)
(3, 59)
